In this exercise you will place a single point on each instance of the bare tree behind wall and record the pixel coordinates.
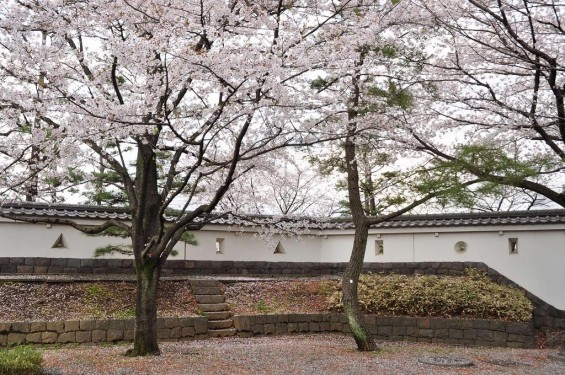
(203, 87)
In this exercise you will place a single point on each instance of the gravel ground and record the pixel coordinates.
(300, 354)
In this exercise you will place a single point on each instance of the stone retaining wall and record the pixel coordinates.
(546, 317)
(433, 330)
(97, 331)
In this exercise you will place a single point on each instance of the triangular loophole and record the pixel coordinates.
(279, 249)
(60, 242)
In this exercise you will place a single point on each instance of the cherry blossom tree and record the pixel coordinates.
(365, 89)
(284, 184)
(206, 87)
(495, 84)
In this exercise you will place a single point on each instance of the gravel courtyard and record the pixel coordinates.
(301, 354)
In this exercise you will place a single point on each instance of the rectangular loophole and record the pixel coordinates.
(220, 245)
(513, 245)
(379, 247)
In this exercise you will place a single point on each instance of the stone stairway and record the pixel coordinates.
(211, 303)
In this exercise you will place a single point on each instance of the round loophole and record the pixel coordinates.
(460, 247)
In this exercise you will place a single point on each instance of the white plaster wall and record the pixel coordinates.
(244, 247)
(19, 239)
(538, 266)
(36, 240)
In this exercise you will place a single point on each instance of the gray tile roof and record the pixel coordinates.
(405, 221)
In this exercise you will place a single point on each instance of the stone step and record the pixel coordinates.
(218, 315)
(220, 324)
(222, 332)
(211, 307)
(204, 283)
(210, 298)
(207, 290)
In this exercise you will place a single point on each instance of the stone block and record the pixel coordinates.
(425, 333)
(129, 324)
(99, 335)
(3, 340)
(470, 334)
(87, 325)
(257, 329)
(67, 337)
(163, 333)
(186, 322)
(398, 331)
(114, 335)
(117, 324)
(412, 331)
(188, 332)
(282, 318)
(325, 326)
(303, 327)
(271, 319)
(485, 335)
(455, 334)
(519, 328)
(201, 325)
(59, 262)
(382, 321)
(83, 336)
(128, 334)
(104, 324)
(17, 261)
(384, 330)
(370, 320)
(55, 270)
(500, 337)
(37, 327)
(497, 325)
(176, 332)
(269, 328)
(24, 269)
(441, 333)
(283, 327)
(172, 322)
(518, 338)
(72, 325)
(21, 327)
(40, 269)
(74, 263)
(33, 338)
(49, 337)
(5, 327)
(293, 327)
(242, 323)
(481, 324)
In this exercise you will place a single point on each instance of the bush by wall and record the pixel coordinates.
(471, 296)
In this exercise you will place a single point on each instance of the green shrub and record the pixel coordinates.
(472, 296)
(21, 360)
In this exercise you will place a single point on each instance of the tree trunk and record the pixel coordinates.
(350, 297)
(145, 335)
(350, 278)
